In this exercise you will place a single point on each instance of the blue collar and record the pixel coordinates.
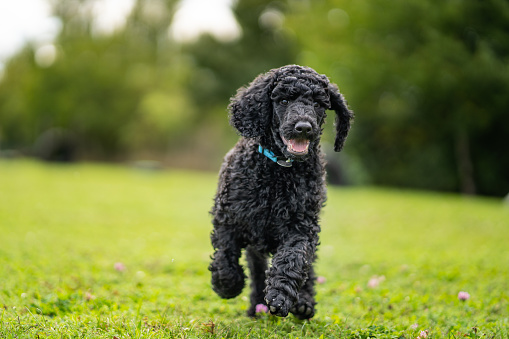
(281, 161)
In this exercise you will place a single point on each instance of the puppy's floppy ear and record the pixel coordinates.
(251, 108)
(343, 116)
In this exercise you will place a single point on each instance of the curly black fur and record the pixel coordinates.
(268, 209)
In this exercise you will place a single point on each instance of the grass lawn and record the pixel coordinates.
(101, 251)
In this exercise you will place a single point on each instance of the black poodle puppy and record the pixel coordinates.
(272, 187)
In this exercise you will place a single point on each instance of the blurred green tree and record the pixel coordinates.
(428, 81)
(117, 93)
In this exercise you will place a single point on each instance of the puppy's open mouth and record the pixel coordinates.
(296, 146)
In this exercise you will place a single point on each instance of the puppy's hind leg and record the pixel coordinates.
(257, 263)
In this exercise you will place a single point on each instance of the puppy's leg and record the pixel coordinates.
(290, 267)
(304, 308)
(257, 263)
(228, 276)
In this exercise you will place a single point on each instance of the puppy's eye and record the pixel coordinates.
(284, 102)
(316, 104)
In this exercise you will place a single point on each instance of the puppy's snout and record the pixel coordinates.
(304, 128)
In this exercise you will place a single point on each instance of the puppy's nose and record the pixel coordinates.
(303, 127)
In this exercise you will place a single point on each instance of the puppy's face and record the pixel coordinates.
(299, 107)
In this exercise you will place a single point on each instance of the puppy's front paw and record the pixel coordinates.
(279, 304)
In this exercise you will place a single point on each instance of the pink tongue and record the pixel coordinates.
(299, 145)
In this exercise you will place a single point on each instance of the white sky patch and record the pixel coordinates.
(25, 20)
(32, 20)
(195, 17)
(110, 15)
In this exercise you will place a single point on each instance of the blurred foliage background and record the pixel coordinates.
(428, 81)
